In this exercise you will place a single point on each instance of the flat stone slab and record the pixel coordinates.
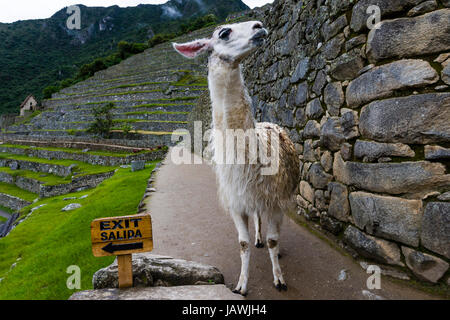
(206, 292)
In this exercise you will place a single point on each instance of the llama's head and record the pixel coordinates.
(231, 43)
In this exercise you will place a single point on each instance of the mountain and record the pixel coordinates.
(37, 53)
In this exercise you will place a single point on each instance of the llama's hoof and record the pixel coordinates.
(281, 286)
(259, 245)
(240, 291)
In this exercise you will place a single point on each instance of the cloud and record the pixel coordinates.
(171, 12)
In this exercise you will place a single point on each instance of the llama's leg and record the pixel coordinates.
(258, 236)
(273, 236)
(241, 223)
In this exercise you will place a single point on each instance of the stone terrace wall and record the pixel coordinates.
(369, 111)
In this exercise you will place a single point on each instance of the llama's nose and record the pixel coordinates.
(262, 33)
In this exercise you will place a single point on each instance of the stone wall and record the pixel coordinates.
(12, 202)
(83, 157)
(369, 112)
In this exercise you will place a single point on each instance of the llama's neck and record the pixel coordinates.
(230, 101)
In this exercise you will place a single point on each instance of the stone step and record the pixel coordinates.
(73, 154)
(142, 139)
(116, 142)
(12, 202)
(73, 112)
(127, 96)
(165, 102)
(202, 292)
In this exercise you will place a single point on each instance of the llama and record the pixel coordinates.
(243, 190)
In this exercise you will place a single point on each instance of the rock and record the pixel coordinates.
(372, 248)
(137, 165)
(333, 47)
(70, 198)
(301, 95)
(196, 292)
(308, 151)
(388, 217)
(381, 82)
(374, 150)
(417, 119)
(148, 268)
(332, 135)
(327, 161)
(435, 233)
(318, 177)
(371, 296)
(445, 196)
(412, 178)
(334, 98)
(347, 66)
(306, 191)
(387, 271)
(332, 225)
(84, 197)
(14, 165)
(311, 130)
(302, 202)
(387, 7)
(425, 266)
(320, 201)
(320, 82)
(346, 151)
(329, 30)
(356, 41)
(339, 207)
(342, 275)
(301, 70)
(422, 8)
(408, 37)
(349, 123)
(72, 206)
(314, 109)
(446, 72)
(436, 152)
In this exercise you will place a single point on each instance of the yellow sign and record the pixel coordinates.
(121, 235)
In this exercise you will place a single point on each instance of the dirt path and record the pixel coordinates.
(189, 224)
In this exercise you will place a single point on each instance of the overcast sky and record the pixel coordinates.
(13, 10)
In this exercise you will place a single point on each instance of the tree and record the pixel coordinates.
(103, 121)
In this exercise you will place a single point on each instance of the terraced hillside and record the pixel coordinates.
(152, 92)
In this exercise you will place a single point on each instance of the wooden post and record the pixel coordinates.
(125, 271)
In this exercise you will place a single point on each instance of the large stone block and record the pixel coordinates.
(360, 15)
(381, 82)
(388, 217)
(373, 248)
(318, 177)
(436, 152)
(435, 233)
(374, 150)
(347, 66)
(148, 269)
(417, 119)
(409, 37)
(331, 134)
(425, 266)
(339, 205)
(414, 179)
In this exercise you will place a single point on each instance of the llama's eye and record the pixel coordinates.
(224, 34)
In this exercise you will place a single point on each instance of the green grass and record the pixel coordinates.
(154, 112)
(50, 241)
(2, 219)
(44, 178)
(7, 210)
(81, 167)
(15, 191)
(78, 151)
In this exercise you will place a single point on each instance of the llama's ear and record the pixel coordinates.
(192, 49)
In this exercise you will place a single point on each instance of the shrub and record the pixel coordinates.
(103, 121)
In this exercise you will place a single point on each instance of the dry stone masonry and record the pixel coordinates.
(368, 108)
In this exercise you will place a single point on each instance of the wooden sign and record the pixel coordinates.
(122, 236)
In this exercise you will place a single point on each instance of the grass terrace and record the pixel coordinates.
(49, 240)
